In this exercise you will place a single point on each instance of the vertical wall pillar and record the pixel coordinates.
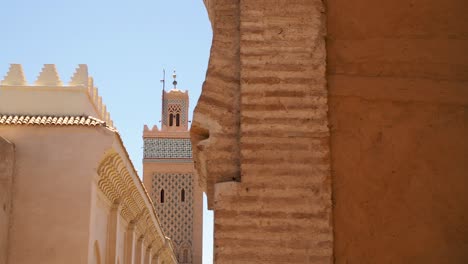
(148, 256)
(112, 233)
(138, 251)
(7, 159)
(154, 260)
(130, 244)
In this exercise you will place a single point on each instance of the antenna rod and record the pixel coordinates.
(163, 91)
(164, 79)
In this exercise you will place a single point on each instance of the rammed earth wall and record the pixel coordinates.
(398, 85)
(382, 121)
(266, 83)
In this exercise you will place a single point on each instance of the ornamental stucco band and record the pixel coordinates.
(118, 186)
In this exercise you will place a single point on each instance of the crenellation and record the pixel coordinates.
(94, 94)
(147, 130)
(14, 76)
(48, 76)
(80, 90)
(80, 77)
(99, 104)
(104, 112)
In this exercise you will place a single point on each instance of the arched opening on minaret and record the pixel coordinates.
(161, 197)
(177, 119)
(171, 119)
(182, 195)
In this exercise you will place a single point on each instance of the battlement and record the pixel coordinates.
(78, 97)
(155, 132)
(153, 129)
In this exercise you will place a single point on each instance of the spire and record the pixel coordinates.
(15, 76)
(174, 75)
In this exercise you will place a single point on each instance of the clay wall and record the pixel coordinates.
(398, 102)
(278, 208)
(7, 162)
(215, 126)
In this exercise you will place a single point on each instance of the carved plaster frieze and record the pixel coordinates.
(116, 183)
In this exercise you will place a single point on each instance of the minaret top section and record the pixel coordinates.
(174, 117)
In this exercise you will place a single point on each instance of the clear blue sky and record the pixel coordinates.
(125, 44)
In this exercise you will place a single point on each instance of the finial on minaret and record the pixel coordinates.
(174, 75)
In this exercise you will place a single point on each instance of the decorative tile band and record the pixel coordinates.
(167, 148)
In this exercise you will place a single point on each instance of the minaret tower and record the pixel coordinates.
(170, 177)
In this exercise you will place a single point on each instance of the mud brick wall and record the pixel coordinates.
(398, 85)
(270, 171)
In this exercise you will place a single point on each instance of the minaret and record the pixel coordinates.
(170, 177)
(175, 109)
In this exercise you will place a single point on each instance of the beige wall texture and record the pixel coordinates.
(62, 213)
(394, 160)
(7, 162)
(398, 85)
(51, 194)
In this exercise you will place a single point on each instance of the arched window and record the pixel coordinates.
(177, 119)
(171, 119)
(161, 198)
(182, 195)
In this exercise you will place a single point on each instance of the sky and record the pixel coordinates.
(126, 45)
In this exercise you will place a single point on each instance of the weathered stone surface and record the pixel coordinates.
(397, 75)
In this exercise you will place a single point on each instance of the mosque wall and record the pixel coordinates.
(7, 160)
(51, 191)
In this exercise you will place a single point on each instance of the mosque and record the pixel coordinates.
(69, 191)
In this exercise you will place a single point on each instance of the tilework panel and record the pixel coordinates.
(176, 216)
(167, 148)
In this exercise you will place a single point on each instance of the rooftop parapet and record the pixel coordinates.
(14, 76)
(49, 96)
(48, 76)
